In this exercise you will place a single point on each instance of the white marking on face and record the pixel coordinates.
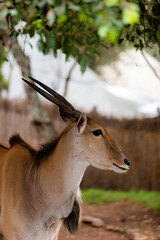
(118, 170)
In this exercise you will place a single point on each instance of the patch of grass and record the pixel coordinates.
(145, 198)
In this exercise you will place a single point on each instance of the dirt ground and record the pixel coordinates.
(123, 220)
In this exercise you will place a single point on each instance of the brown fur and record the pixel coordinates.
(3, 146)
(16, 139)
(45, 150)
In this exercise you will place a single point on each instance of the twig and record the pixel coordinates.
(150, 65)
(68, 78)
(103, 45)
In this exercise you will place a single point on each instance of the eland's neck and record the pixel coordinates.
(61, 174)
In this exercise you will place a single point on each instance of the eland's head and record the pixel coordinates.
(87, 138)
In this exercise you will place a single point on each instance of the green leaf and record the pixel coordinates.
(38, 23)
(6, 59)
(108, 32)
(67, 57)
(111, 3)
(130, 14)
(31, 30)
(112, 35)
(51, 42)
(62, 18)
(83, 60)
(40, 44)
(103, 30)
(82, 16)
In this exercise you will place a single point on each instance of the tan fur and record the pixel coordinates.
(35, 199)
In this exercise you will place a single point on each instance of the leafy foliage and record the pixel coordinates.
(77, 27)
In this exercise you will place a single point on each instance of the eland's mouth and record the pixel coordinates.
(122, 168)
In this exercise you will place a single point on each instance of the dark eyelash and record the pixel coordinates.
(97, 132)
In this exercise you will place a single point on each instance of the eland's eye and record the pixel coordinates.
(97, 132)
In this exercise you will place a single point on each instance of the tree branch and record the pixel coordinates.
(68, 78)
(150, 65)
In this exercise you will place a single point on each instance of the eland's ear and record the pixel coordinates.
(82, 123)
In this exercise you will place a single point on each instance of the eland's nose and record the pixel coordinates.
(127, 162)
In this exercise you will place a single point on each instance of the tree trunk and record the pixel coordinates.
(37, 115)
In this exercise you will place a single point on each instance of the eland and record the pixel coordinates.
(39, 188)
